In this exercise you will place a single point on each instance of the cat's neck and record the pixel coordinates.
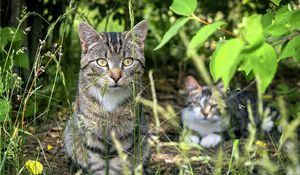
(110, 100)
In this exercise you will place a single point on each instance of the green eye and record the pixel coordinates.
(102, 62)
(127, 61)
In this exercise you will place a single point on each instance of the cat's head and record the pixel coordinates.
(200, 102)
(112, 60)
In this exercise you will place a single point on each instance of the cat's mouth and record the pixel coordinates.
(116, 86)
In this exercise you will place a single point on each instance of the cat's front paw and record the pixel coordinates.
(267, 124)
(210, 141)
(192, 139)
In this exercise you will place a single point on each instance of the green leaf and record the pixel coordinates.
(283, 15)
(292, 49)
(31, 108)
(212, 60)
(21, 60)
(184, 7)
(295, 20)
(172, 31)
(276, 2)
(202, 35)
(264, 65)
(225, 61)
(245, 65)
(4, 109)
(277, 30)
(266, 19)
(11, 34)
(252, 31)
(249, 77)
(3, 39)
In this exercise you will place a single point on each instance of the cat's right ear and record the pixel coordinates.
(191, 84)
(88, 35)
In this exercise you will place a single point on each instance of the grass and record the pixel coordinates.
(13, 127)
(246, 156)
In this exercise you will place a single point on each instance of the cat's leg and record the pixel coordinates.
(79, 172)
(116, 166)
(86, 152)
(74, 148)
(89, 159)
(193, 139)
(210, 140)
(137, 151)
(96, 163)
(145, 153)
(267, 124)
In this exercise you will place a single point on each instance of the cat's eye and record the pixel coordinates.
(102, 62)
(127, 61)
(195, 103)
(214, 105)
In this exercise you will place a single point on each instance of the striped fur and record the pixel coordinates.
(105, 103)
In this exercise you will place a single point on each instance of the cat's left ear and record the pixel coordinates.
(139, 31)
(191, 84)
(87, 35)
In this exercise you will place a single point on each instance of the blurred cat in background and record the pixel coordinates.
(202, 113)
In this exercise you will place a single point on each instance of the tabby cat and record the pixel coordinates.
(112, 65)
(203, 117)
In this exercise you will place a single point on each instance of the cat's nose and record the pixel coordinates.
(115, 74)
(206, 110)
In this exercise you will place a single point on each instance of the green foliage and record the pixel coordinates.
(263, 63)
(10, 40)
(184, 8)
(251, 51)
(225, 61)
(294, 20)
(292, 49)
(9, 34)
(202, 35)
(266, 19)
(31, 108)
(277, 30)
(277, 2)
(10, 55)
(4, 109)
(21, 60)
(283, 15)
(251, 31)
(172, 31)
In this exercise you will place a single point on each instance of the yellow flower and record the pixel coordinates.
(49, 147)
(261, 144)
(34, 167)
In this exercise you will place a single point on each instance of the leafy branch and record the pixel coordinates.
(207, 23)
(249, 52)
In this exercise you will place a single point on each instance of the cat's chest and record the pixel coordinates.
(121, 120)
(204, 128)
(111, 101)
